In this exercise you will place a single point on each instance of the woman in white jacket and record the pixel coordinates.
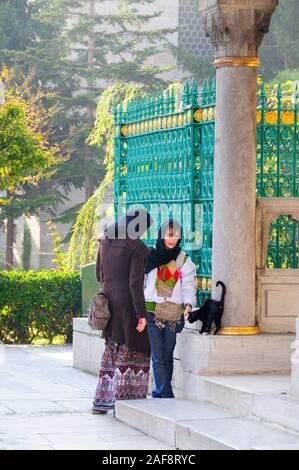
(170, 294)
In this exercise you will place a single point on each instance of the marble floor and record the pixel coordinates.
(45, 404)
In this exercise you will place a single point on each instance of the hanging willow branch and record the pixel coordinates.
(83, 244)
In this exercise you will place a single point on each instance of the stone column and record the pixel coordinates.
(236, 29)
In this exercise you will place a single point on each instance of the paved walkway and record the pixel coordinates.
(45, 404)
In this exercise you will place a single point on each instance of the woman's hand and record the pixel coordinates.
(187, 310)
(141, 325)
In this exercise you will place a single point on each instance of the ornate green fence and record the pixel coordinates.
(164, 148)
(164, 154)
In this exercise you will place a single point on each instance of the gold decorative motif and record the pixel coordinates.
(210, 284)
(205, 114)
(237, 62)
(164, 122)
(271, 117)
(116, 131)
(150, 125)
(204, 283)
(211, 114)
(258, 116)
(240, 330)
(198, 115)
(154, 124)
(189, 116)
(198, 283)
(169, 122)
(124, 130)
(288, 118)
(146, 126)
(180, 120)
(174, 121)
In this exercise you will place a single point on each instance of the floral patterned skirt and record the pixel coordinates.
(124, 375)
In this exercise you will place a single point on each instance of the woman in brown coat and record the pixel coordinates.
(124, 371)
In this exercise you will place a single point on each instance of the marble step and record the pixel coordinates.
(188, 425)
(263, 396)
(159, 417)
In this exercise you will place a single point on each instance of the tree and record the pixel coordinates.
(15, 25)
(26, 157)
(76, 49)
(280, 50)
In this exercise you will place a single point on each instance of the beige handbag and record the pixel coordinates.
(168, 311)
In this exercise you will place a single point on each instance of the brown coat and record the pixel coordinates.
(122, 263)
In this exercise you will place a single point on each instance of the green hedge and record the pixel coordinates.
(38, 305)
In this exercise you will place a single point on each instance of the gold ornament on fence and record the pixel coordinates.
(271, 117)
(205, 115)
(211, 114)
(288, 118)
(258, 116)
(189, 116)
(198, 115)
(124, 130)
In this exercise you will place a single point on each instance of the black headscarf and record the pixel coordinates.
(161, 255)
(131, 225)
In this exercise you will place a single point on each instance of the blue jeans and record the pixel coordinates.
(162, 343)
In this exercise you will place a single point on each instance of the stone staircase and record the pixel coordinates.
(231, 412)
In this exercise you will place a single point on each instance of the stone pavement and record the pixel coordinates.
(45, 404)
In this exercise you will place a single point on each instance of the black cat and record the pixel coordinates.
(210, 312)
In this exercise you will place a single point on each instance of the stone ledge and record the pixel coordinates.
(226, 355)
(197, 356)
(81, 325)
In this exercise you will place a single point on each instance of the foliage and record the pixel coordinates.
(59, 261)
(38, 305)
(83, 245)
(25, 153)
(28, 155)
(75, 52)
(279, 50)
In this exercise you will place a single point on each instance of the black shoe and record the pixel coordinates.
(99, 412)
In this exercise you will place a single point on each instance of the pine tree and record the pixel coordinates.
(280, 50)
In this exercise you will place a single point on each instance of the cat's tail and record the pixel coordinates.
(220, 283)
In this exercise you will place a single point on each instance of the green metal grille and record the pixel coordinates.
(277, 172)
(164, 154)
(164, 149)
(277, 143)
(283, 247)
